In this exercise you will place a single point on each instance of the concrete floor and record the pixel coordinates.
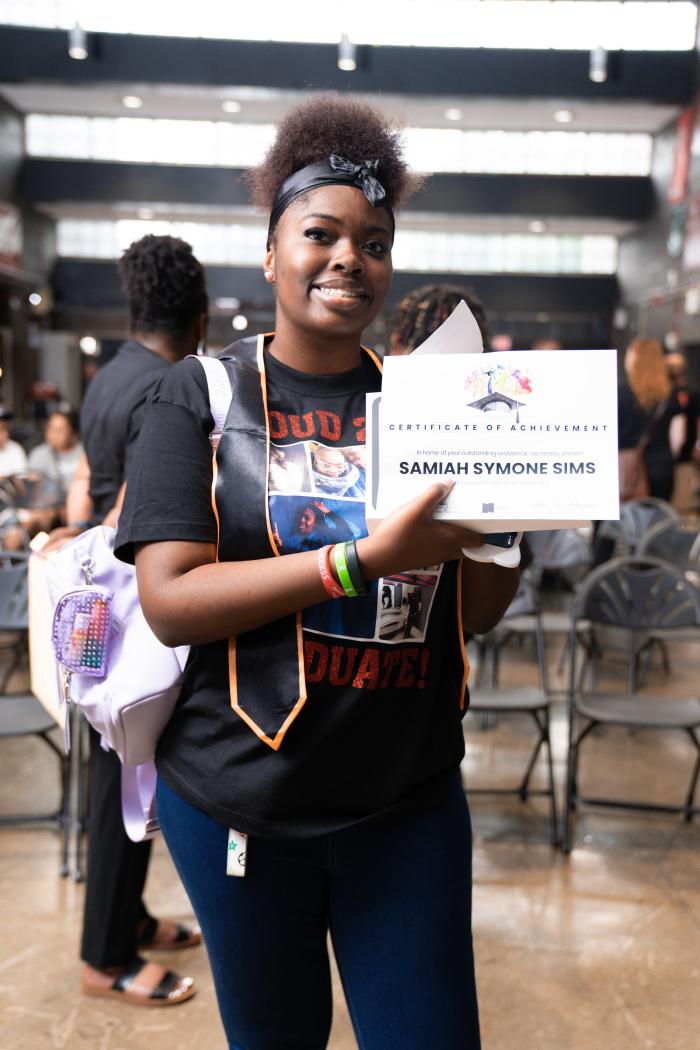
(597, 950)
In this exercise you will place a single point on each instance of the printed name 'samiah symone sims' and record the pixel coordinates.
(439, 466)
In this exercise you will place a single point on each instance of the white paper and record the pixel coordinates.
(528, 437)
(459, 334)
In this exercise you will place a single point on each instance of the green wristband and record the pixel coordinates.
(341, 567)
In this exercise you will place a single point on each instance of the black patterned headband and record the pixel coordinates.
(333, 171)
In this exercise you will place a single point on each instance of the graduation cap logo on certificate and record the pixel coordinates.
(498, 388)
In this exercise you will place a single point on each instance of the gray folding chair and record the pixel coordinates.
(493, 700)
(563, 552)
(675, 540)
(21, 714)
(636, 518)
(635, 596)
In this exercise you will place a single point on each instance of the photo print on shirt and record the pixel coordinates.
(395, 609)
(312, 467)
(289, 468)
(405, 602)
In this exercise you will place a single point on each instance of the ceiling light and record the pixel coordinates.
(230, 105)
(145, 213)
(132, 102)
(89, 345)
(227, 302)
(240, 322)
(77, 42)
(563, 116)
(35, 299)
(452, 113)
(598, 65)
(347, 54)
(536, 226)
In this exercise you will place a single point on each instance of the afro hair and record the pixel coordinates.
(164, 283)
(329, 124)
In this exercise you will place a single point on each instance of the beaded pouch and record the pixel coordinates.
(81, 628)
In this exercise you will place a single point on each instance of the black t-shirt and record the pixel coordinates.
(689, 401)
(111, 417)
(382, 722)
(633, 419)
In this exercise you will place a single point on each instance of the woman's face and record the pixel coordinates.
(331, 262)
(59, 433)
(307, 520)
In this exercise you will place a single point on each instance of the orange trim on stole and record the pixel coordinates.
(374, 358)
(276, 741)
(462, 645)
(214, 476)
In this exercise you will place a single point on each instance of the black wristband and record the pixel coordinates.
(354, 567)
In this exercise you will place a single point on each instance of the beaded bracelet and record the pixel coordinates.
(354, 569)
(341, 568)
(333, 589)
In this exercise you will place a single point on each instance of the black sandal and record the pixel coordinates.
(184, 937)
(171, 990)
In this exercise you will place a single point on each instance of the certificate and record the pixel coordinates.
(529, 438)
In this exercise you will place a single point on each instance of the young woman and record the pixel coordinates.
(336, 752)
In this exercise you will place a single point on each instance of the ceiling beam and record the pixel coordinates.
(42, 54)
(629, 198)
(85, 284)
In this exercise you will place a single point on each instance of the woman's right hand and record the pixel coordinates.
(410, 538)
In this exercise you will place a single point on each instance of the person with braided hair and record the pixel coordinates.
(166, 292)
(308, 781)
(423, 310)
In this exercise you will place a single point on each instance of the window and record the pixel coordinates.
(414, 250)
(225, 144)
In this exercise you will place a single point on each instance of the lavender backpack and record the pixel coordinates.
(110, 664)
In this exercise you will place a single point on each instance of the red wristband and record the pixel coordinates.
(333, 589)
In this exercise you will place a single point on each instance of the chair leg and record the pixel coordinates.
(694, 778)
(13, 665)
(556, 841)
(533, 757)
(569, 803)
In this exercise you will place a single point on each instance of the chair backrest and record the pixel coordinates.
(558, 549)
(636, 518)
(674, 540)
(13, 593)
(635, 596)
(525, 602)
(638, 593)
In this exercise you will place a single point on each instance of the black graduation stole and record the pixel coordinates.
(266, 666)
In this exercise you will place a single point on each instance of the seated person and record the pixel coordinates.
(58, 457)
(13, 458)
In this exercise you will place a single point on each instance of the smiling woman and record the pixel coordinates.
(304, 723)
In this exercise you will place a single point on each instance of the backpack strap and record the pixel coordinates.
(220, 394)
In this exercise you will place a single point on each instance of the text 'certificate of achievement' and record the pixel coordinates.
(529, 437)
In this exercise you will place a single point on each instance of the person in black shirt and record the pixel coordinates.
(689, 400)
(647, 401)
(310, 754)
(165, 286)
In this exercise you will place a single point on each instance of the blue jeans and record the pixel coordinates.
(395, 894)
